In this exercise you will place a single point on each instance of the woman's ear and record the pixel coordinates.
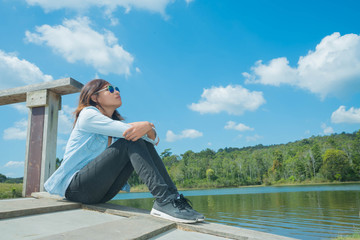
(94, 98)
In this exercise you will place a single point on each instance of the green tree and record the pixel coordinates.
(2, 178)
(177, 173)
(299, 168)
(134, 179)
(332, 142)
(208, 153)
(356, 154)
(170, 160)
(187, 156)
(166, 153)
(210, 174)
(58, 162)
(315, 160)
(261, 166)
(336, 164)
(277, 168)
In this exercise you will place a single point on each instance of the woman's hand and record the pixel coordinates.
(137, 130)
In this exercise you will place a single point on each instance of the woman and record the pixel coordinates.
(103, 151)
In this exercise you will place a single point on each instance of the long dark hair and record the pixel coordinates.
(85, 100)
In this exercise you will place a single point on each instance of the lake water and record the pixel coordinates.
(303, 212)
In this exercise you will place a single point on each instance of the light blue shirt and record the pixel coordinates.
(87, 140)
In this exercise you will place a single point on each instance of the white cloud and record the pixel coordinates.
(253, 138)
(332, 69)
(15, 72)
(188, 1)
(326, 129)
(343, 116)
(114, 21)
(21, 107)
(157, 6)
(14, 164)
(76, 41)
(17, 132)
(230, 125)
(187, 133)
(231, 99)
(66, 119)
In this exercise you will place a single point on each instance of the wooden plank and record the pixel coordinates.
(30, 206)
(61, 86)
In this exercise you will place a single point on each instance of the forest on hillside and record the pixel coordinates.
(315, 159)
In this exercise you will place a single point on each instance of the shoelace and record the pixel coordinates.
(183, 203)
(179, 204)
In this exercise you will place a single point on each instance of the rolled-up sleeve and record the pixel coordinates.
(155, 141)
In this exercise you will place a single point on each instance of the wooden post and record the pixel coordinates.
(44, 102)
(40, 157)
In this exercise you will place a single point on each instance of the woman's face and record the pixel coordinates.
(107, 99)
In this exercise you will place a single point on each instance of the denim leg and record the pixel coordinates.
(161, 168)
(119, 182)
(106, 174)
(147, 170)
(93, 181)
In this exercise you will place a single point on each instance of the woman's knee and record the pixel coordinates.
(140, 143)
(119, 143)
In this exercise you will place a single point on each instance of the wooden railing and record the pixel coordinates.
(44, 102)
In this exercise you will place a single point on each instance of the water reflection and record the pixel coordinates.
(303, 215)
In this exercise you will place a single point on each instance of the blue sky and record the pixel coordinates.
(208, 74)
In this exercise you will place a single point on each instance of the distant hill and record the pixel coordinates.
(4, 179)
(315, 159)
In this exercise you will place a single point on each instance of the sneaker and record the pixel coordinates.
(174, 210)
(188, 205)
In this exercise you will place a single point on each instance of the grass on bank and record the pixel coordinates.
(354, 236)
(10, 190)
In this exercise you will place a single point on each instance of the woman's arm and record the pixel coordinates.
(152, 133)
(139, 129)
(92, 120)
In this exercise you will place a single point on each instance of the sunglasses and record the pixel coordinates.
(110, 88)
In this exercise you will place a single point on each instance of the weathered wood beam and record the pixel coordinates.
(61, 87)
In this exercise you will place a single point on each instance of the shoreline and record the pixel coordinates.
(8, 190)
(142, 188)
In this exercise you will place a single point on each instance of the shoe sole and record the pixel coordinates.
(200, 219)
(159, 214)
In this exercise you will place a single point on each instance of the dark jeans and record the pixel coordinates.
(101, 179)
